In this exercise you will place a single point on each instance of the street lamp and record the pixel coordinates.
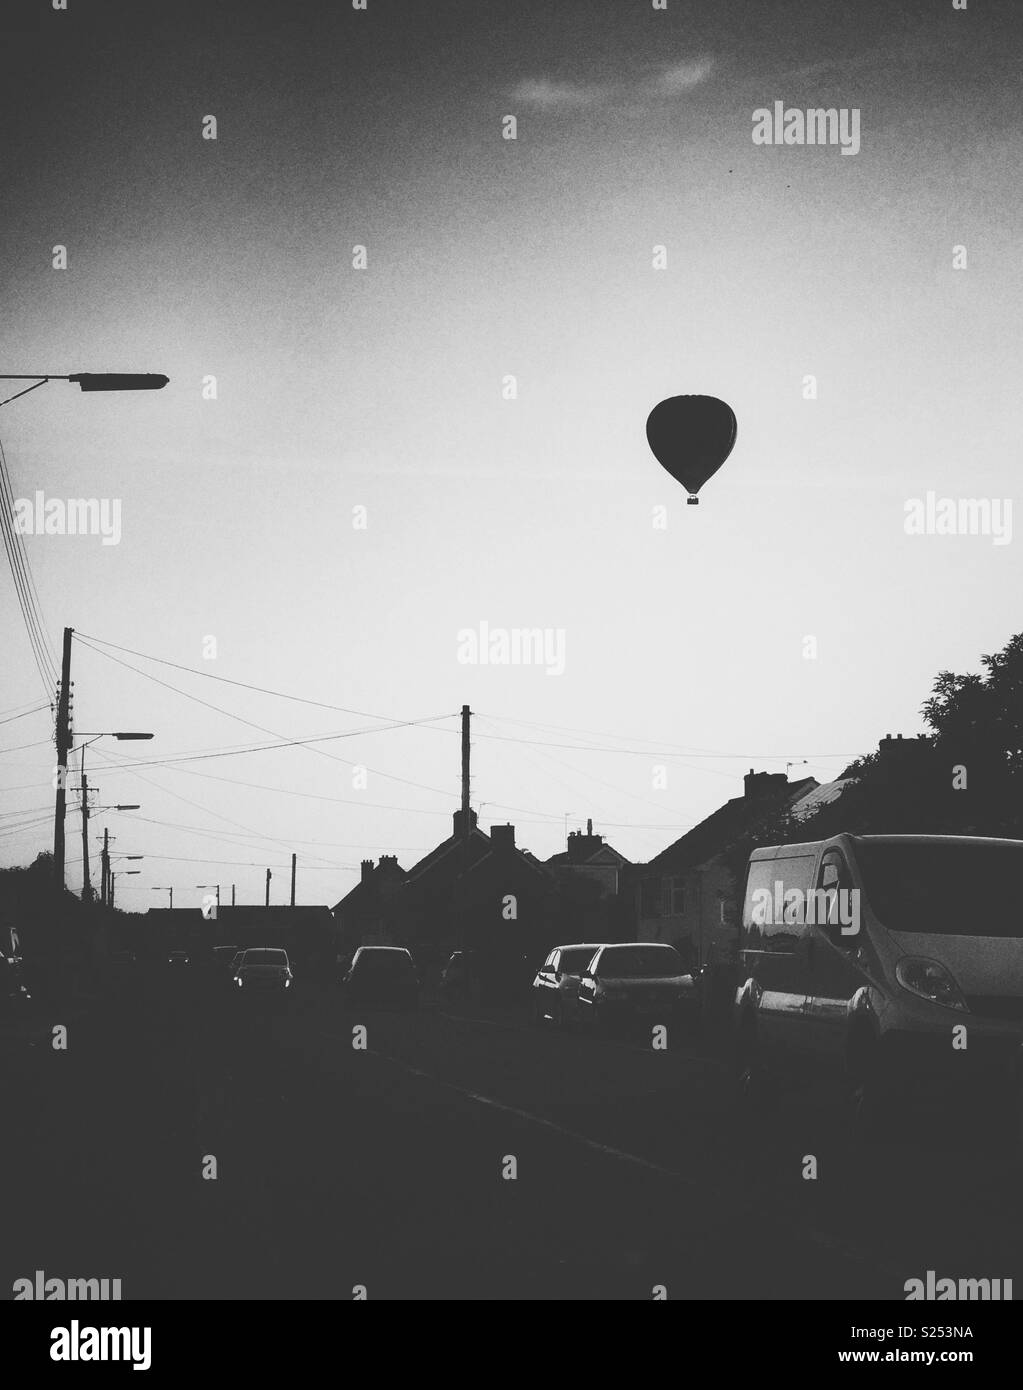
(89, 738)
(113, 879)
(167, 890)
(106, 896)
(89, 381)
(86, 381)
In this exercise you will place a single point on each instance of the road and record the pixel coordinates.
(384, 1167)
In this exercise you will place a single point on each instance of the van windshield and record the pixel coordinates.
(944, 889)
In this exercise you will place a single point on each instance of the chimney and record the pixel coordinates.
(503, 836)
(464, 823)
(581, 847)
(759, 784)
(367, 870)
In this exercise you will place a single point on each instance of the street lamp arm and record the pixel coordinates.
(89, 381)
(26, 390)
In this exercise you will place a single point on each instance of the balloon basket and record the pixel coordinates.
(692, 501)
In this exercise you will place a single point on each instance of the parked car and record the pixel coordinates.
(382, 975)
(455, 976)
(888, 966)
(178, 958)
(222, 963)
(555, 990)
(264, 970)
(644, 981)
(14, 992)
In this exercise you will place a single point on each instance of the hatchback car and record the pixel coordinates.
(384, 976)
(555, 989)
(886, 965)
(263, 970)
(178, 958)
(638, 982)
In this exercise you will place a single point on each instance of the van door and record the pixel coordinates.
(834, 952)
(775, 953)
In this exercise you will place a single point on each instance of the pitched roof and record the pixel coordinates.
(821, 796)
(726, 824)
(604, 854)
(477, 843)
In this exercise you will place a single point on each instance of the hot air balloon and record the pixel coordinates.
(691, 436)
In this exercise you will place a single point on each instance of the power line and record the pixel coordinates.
(284, 742)
(12, 717)
(17, 749)
(24, 583)
(245, 685)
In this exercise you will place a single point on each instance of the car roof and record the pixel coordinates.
(628, 945)
(402, 949)
(579, 946)
(938, 840)
(844, 839)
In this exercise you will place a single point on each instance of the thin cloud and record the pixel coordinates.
(547, 95)
(683, 77)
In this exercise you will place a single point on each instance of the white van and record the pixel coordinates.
(888, 962)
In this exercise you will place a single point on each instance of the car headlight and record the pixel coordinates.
(287, 984)
(929, 979)
(238, 981)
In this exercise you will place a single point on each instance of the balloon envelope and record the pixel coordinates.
(691, 436)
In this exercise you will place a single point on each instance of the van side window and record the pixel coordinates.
(833, 876)
(774, 915)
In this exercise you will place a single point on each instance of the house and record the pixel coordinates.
(364, 916)
(472, 891)
(688, 894)
(595, 890)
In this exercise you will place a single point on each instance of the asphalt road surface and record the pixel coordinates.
(385, 1168)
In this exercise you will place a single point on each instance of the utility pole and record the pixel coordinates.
(63, 744)
(86, 881)
(294, 857)
(269, 876)
(104, 880)
(465, 770)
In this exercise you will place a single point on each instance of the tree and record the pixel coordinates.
(983, 715)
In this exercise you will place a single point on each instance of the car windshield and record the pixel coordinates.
(944, 889)
(575, 962)
(388, 961)
(265, 958)
(640, 962)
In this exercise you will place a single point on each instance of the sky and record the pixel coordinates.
(379, 396)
